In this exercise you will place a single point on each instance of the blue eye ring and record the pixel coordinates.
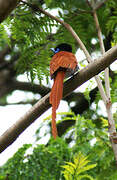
(57, 50)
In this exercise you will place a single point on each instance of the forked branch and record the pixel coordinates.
(111, 123)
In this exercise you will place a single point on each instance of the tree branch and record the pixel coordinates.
(26, 86)
(99, 5)
(11, 85)
(41, 106)
(96, 5)
(106, 72)
(112, 128)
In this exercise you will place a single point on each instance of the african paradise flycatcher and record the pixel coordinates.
(63, 64)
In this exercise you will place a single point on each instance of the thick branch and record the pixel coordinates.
(41, 106)
(25, 86)
(11, 85)
(6, 6)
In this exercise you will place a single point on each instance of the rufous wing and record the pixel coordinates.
(62, 59)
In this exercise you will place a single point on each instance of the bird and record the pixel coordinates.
(63, 64)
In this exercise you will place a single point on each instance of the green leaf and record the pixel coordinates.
(69, 169)
(79, 166)
(85, 176)
(48, 2)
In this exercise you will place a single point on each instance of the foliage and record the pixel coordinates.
(4, 35)
(30, 34)
(88, 155)
(73, 171)
(43, 162)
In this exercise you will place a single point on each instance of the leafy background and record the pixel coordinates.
(83, 151)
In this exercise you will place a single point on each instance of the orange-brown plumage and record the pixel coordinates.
(61, 64)
(62, 59)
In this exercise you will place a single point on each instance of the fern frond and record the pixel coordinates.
(76, 169)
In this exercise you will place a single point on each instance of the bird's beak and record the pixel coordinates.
(52, 49)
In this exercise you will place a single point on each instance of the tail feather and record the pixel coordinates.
(55, 97)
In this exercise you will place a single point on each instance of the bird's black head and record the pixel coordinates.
(62, 47)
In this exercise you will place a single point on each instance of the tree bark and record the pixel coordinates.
(26, 86)
(41, 106)
(6, 6)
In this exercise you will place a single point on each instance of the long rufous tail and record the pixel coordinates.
(55, 97)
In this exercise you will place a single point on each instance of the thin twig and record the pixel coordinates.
(89, 4)
(99, 32)
(106, 72)
(96, 6)
(81, 11)
(100, 4)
